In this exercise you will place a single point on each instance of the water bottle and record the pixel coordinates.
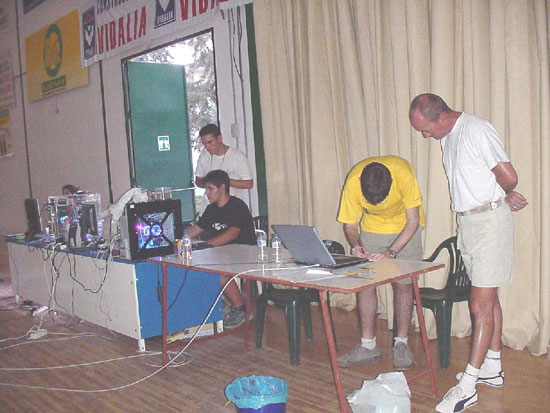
(187, 253)
(261, 242)
(277, 248)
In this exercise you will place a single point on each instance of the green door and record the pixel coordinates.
(159, 125)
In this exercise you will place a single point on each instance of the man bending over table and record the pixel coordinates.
(227, 220)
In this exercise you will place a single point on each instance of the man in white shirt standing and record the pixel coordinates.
(217, 155)
(481, 182)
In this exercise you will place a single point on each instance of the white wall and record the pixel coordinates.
(65, 133)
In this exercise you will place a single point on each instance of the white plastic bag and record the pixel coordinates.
(388, 393)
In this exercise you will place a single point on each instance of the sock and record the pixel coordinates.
(492, 363)
(368, 343)
(400, 340)
(469, 378)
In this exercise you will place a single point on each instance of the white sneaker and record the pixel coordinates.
(495, 380)
(456, 400)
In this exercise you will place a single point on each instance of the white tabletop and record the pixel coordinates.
(242, 259)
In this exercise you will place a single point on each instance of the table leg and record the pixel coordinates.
(248, 288)
(164, 313)
(344, 407)
(424, 334)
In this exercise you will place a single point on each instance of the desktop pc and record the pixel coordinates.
(150, 229)
(75, 219)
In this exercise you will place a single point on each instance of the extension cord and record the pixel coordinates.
(35, 335)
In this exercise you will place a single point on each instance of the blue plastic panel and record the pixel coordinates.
(190, 297)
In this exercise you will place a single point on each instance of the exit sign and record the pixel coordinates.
(164, 143)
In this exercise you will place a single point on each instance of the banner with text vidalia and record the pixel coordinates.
(112, 27)
(53, 58)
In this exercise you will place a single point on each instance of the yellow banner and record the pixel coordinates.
(53, 58)
(5, 136)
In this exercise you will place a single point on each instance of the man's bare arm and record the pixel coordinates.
(507, 178)
(352, 235)
(225, 237)
(241, 183)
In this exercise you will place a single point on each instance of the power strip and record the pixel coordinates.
(35, 335)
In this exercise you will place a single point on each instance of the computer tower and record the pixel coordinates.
(149, 229)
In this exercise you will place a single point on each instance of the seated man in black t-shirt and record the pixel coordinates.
(228, 221)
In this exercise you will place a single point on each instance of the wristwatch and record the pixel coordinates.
(393, 254)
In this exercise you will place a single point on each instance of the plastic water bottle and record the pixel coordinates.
(261, 242)
(277, 248)
(187, 253)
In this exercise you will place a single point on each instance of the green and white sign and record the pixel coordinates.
(164, 143)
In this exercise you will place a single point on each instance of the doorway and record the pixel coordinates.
(170, 94)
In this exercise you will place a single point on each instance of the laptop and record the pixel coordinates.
(306, 247)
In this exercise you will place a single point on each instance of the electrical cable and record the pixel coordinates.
(170, 362)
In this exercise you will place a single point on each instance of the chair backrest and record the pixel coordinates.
(458, 283)
(334, 247)
(261, 222)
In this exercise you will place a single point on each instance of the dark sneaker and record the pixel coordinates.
(226, 309)
(402, 357)
(233, 319)
(359, 355)
(495, 380)
(456, 400)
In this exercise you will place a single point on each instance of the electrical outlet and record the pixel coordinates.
(35, 335)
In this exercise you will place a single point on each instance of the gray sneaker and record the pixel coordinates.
(359, 355)
(233, 319)
(402, 357)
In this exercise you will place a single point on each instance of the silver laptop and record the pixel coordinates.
(306, 247)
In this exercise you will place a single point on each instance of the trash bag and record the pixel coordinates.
(254, 392)
(388, 393)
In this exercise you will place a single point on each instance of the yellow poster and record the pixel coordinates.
(5, 136)
(53, 58)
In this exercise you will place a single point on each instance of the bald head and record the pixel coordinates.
(430, 115)
(430, 106)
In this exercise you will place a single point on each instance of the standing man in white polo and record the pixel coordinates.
(217, 155)
(481, 182)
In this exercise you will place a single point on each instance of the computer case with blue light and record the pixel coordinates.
(149, 229)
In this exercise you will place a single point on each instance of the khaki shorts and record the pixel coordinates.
(486, 242)
(374, 242)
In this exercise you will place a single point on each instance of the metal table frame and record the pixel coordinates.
(230, 260)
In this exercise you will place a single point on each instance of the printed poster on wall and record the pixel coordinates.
(7, 94)
(111, 27)
(53, 58)
(5, 136)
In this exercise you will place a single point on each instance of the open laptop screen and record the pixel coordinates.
(306, 246)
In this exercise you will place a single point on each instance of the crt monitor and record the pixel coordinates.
(34, 225)
(153, 227)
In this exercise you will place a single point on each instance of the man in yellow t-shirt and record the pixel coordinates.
(381, 209)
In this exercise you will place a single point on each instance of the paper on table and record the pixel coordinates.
(301, 274)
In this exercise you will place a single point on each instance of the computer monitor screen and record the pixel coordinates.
(32, 209)
(153, 227)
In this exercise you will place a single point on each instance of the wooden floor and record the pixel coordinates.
(131, 382)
